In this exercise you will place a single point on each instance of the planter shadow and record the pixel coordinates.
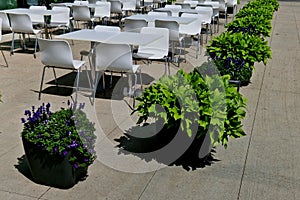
(157, 147)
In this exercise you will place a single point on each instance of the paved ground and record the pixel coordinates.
(263, 165)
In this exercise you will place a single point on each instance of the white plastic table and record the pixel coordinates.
(44, 13)
(151, 18)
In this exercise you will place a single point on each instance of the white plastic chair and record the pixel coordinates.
(156, 50)
(6, 64)
(158, 13)
(129, 6)
(61, 20)
(192, 29)
(57, 54)
(184, 5)
(207, 14)
(116, 11)
(21, 23)
(117, 58)
(102, 12)
(232, 4)
(113, 29)
(79, 2)
(223, 9)
(134, 25)
(5, 22)
(36, 18)
(82, 13)
(174, 35)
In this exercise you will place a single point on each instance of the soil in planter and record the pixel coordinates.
(132, 143)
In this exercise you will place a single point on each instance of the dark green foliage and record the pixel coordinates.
(62, 132)
(195, 99)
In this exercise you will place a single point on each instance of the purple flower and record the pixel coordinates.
(27, 112)
(85, 159)
(64, 153)
(75, 165)
(55, 150)
(81, 133)
(23, 120)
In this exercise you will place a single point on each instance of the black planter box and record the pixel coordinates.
(51, 170)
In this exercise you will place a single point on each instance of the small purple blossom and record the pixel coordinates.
(75, 165)
(64, 153)
(85, 159)
(23, 120)
(55, 150)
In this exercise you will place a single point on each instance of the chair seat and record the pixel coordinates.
(78, 63)
(151, 54)
(133, 70)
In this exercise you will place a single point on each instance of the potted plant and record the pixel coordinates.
(59, 146)
(193, 112)
(236, 52)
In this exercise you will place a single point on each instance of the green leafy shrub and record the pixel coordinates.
(263, 11)
(194, 99)
(60, 133)
(255, 25)
(236, 53)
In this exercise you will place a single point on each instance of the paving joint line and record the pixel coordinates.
(254, 119)
(147, 185)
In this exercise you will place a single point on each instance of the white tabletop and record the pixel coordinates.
(110, 37)
(90, 5)
(152, 18)
(32, 11)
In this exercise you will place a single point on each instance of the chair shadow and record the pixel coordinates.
(112, 91)
(131, 144)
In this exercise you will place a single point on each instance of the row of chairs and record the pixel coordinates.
(111, 57)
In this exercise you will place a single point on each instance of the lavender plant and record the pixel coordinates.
(61, 133)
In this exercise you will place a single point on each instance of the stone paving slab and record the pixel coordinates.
(262, 165)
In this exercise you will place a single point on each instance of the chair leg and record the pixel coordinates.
(40, 93)
(12, 44)
(77, 84)
(35, 46)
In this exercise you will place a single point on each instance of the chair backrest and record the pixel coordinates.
(169, 12)
(222, 5)
(116, 6)
(114, 29)
(231, 3)
(206, 12)
(184, 5)
(81, 2)
(5, 22)
(20, 23)
(173, 27)
(81, 13)
(103, 10)
(192, 28)
(173, 6)
(36, 18)
(92, 1)
(134, 25)
(62, 18)
(158, 13)
(129, 5)
(161, 44)
(56, 53)
(115, 57)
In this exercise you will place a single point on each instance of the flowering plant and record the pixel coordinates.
(61, 133)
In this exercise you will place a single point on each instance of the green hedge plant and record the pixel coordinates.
(236, 53)
(184, 100)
